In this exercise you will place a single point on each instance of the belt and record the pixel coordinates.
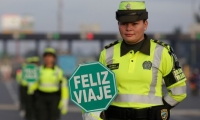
(46, 93)
(114, 112)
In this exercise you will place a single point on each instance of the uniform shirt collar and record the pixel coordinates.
(143, 46)
(52, 67)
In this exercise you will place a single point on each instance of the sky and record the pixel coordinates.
(164, 15)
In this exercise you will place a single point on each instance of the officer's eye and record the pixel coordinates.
(135, 23)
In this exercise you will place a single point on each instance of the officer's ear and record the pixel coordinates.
(145, 24)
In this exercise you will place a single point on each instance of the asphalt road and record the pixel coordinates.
(189, 109)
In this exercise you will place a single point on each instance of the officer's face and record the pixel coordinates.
(133, 33)
(49, 59)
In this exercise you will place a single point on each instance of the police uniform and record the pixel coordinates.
(139, 71)
(26, 100)
(51, 92)
(22, 90)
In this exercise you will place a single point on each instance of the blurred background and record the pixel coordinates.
(79, 30)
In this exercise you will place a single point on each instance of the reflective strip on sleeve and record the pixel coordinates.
(64, 85)
(170, 100)
(138, 98)
(178, 90)
(48, 85)
(109, 55)
(155, 69)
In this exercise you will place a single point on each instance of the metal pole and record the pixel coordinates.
(17, 43)
(60, 20)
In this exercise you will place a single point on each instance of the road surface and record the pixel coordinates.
(189, 109)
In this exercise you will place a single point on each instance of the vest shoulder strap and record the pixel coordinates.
(111, 44)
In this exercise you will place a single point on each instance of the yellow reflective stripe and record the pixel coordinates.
(155, 67)
(134, 98)
(109, 55)
(170, 100)
(178, 90)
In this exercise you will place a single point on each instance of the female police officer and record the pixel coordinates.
(140, 64)
(51, 92)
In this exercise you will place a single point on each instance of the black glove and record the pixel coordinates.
(161, 112)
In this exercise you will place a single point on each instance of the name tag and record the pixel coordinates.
(113, 66)
(179, 75)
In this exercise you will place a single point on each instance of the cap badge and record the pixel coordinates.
(128, 6)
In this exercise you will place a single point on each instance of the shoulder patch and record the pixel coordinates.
(111, 44)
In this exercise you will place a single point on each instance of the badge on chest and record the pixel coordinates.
(113, 66)
(147, 65)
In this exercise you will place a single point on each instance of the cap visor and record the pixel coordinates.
(128, 19)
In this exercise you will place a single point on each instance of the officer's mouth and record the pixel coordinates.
(128, 35)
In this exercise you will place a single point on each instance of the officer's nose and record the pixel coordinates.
(129, 27)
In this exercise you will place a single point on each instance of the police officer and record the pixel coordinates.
(26, 100)
(30, 98)
(140, 64)
(51, 89)
(22, 88)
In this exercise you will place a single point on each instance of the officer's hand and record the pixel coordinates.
(64, 111)
(161, 112)
(63, 106)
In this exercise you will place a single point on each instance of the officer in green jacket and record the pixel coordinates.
(26, 101)
(51, 89)
(140, 64)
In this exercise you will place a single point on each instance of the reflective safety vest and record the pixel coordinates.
(51, 79)
(139, 76)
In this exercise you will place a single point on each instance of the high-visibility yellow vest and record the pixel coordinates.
(51, 80)
(139, 76)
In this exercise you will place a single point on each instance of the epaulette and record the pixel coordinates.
(111, 44)
(170, 50)
(168, 47)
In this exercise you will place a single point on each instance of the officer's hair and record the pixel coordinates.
(144, 20)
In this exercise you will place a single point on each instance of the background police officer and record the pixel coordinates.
(52, 92)
(26, 100)
(140, 64)
(22, 88)
(30, 98)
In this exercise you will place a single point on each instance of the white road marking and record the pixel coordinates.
(12, 92)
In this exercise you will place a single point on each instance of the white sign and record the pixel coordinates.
(11, 22)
